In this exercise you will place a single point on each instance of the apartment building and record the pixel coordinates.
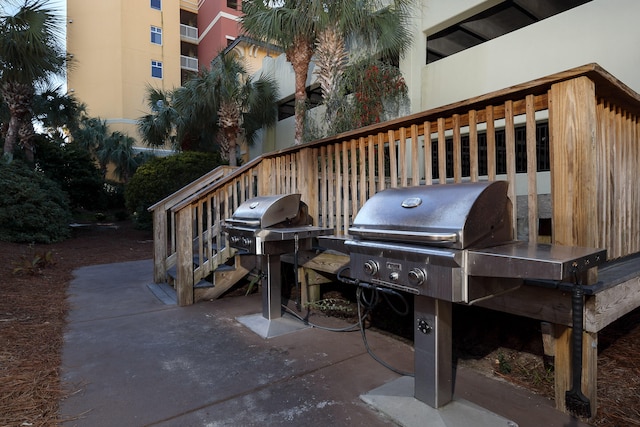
(120, 47)
(461, 49)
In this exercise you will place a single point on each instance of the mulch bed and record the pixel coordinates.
(33, 308)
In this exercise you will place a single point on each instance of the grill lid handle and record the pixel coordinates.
(426, 236)
(243, 222)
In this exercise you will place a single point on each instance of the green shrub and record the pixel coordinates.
(161, 177)
(75, 171)
(33, 208)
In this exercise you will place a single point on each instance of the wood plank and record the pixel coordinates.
(393, 160)
(381, 163)
(601, 171)
(491, 144)
(548, 305)
(473, 147)
(307, 181)
(226, 279)
(362, 176)
(324, 206)
(345, 188)
(613, 303)
(308, 292)
(184, 273)
(636, 194)
(572, 129)
(428, 155)
(415, 156)
(457, 149)
(510, 141)
(327, 261)
(442, 152)
(160, 246)
(331, 184)
(562, 365)
(353, 186)
(371, 166)
(338, 187)
(402, 157)
(532, 170)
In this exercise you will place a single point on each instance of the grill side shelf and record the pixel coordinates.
(532, 261)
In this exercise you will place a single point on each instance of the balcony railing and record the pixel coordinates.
(189, 33)
(188, 63)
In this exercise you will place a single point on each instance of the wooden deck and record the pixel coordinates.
(575, 185)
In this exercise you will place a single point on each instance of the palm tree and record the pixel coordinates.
(331, 60)
(245, 104)
(30, 52)
(220, 104)
(196, 105)
(118, 149)
(360, 34)
(293, 25)
(59, 114)
(158, 128)
(300, 26)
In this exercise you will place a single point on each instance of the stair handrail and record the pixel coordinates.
(204, 181)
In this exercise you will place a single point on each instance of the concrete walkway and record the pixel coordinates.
(133, 360)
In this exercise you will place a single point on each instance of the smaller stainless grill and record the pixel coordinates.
(270, 224)
(268, 227)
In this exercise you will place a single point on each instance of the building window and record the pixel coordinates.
(156, 69)
(232, 4)
(156, 35)
(156, 4)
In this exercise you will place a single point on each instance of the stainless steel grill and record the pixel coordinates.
(268, 227)
(444, 244)
(270, 224)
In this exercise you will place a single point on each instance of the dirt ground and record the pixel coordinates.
(33, 307)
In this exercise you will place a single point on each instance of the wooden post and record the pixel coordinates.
(184, 250)
(562, 366)
(159, 245)
(265, 176)
(572, 133)
(308, 181)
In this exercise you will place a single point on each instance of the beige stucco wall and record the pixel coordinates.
(601, 31)
(110, 41)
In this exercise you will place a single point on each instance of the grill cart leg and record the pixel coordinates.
(271, 287)
(433, 354)
(428, 398)
(270, 323)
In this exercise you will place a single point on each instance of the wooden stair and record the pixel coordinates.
(221, 280)
(224, 278)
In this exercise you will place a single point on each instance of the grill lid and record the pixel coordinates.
(266, 211)
(455, 215)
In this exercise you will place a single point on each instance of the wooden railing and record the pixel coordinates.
(593, 133)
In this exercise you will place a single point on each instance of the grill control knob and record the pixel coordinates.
(417, 276)
(370, 267)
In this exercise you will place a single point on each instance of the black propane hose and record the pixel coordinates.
(368, 304)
